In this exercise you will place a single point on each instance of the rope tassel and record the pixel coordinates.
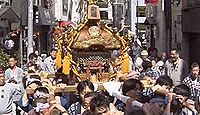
(66, 64)
(125, 64)
(58, 63)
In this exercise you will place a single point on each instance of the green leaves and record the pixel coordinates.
(4, 58)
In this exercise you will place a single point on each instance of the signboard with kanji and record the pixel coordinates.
(141, 11)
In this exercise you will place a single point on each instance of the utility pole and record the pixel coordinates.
(21, 47)
(132, 15)
(30, 27)
(137, 11)
(168, 22)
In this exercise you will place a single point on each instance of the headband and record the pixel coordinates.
(39, 94)
(40, 106)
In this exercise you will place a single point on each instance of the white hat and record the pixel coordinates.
(31, 80)
(144, 53)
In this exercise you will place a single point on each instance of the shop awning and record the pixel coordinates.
(8, 14)
(43, 16)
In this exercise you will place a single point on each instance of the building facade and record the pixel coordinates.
(184, 34)
(191, 30)
(43, 19)
(9, 27)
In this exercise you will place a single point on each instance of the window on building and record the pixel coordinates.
(104, 10)
(104, 15)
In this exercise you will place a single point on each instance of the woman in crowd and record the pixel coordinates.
(83, 88)
(131, 88)
(100, 105)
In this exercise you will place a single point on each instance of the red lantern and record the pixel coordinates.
(151, 1)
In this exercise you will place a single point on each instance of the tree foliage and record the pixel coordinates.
(4, 58)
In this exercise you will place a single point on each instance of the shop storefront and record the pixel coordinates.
(43, 19)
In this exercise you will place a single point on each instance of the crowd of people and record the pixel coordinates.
(154, 86)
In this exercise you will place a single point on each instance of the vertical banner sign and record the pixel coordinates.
(37, 14)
